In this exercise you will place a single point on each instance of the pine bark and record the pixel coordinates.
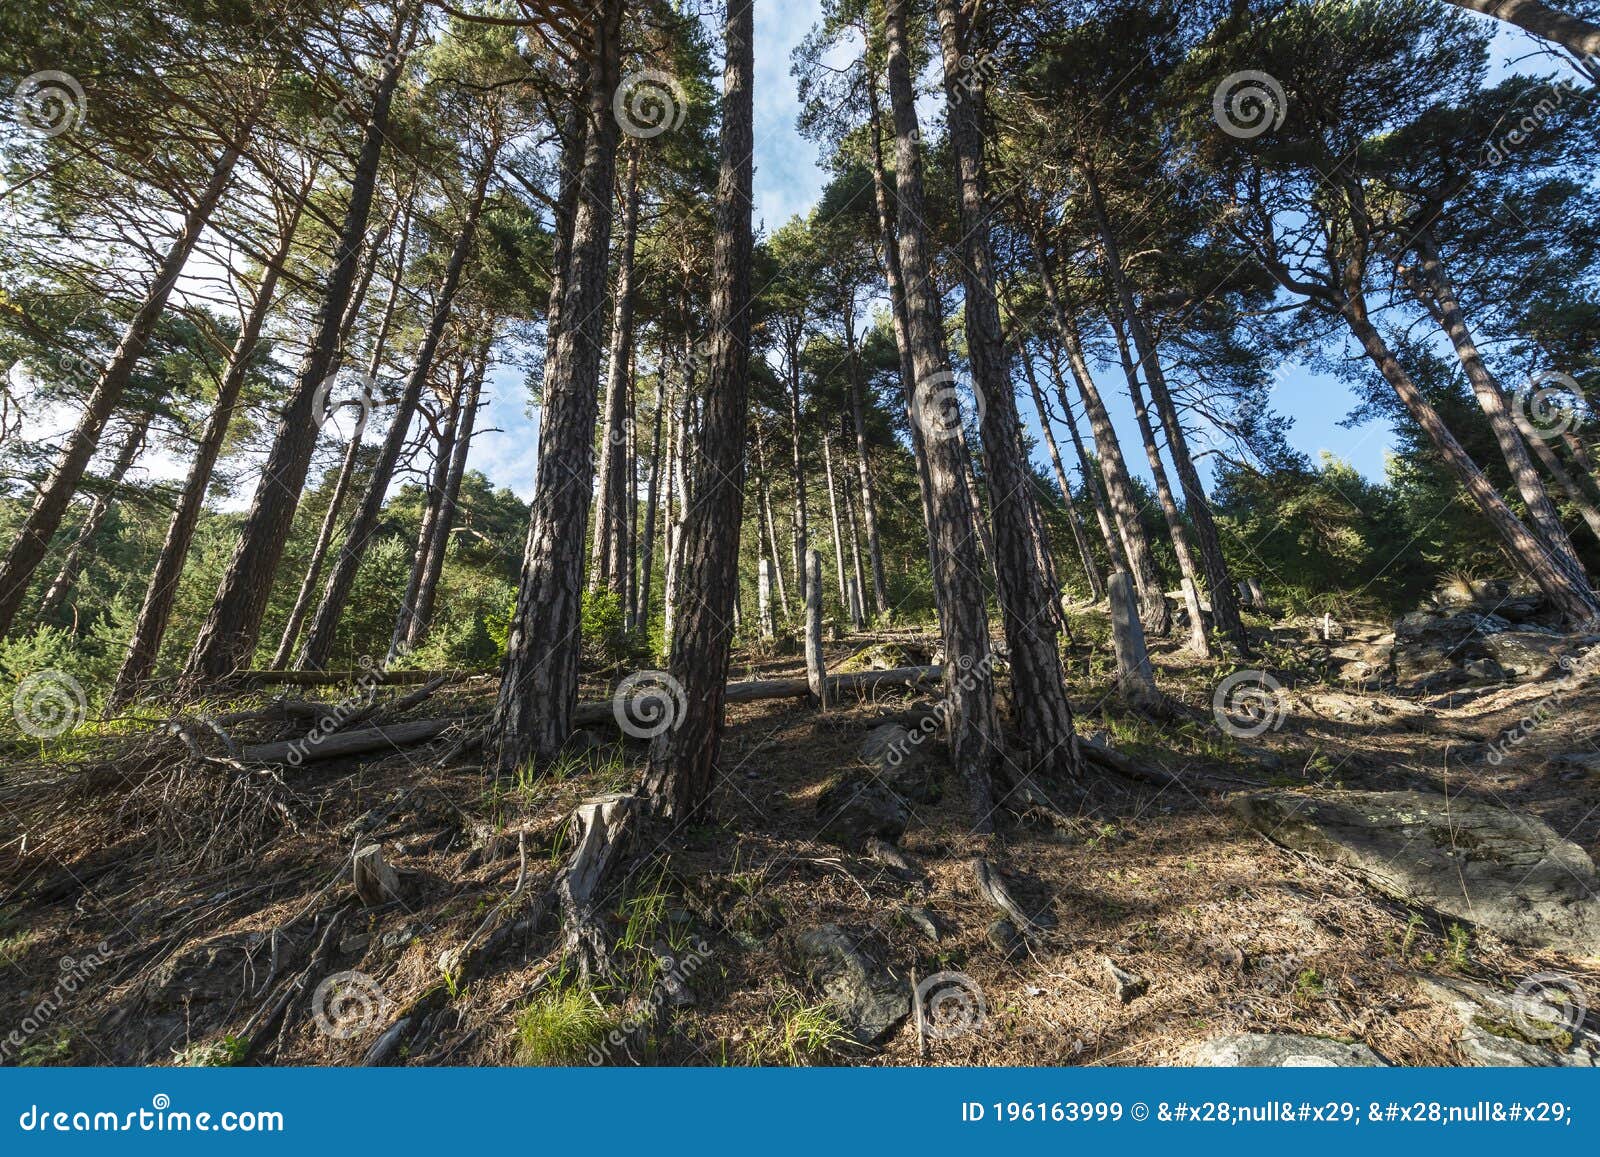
(1091, 570)
(539, 682)
(144, 645)
(1029, 606)
(227, 639)
(869, 500)
(358, 535)
(683, 759)
(612, 502)
(1578, 36)
(974, 726)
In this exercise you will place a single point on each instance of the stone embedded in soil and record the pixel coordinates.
(1541, 1026)
(1480, 862)
(856, 806)
(901, 760)
(1127, 985)
(1005, 938)
(846, 968)
(922, 919)
(1528, 654)
(1282, 1051)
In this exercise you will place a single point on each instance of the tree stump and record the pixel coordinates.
(1135, 680)
(769, 626)
(377, 883)
(816, 670)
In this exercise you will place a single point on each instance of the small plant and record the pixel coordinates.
(807, 1031)
(216, 1054)
(562, 1026)
(1310, 984)
(1460, 942)
(604, 627)
(1414, 925)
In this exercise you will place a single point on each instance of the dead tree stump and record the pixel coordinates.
(1135, 680)
(816, 670)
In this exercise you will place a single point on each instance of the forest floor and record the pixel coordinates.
(190, 905)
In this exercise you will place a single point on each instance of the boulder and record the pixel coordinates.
(902, 760)
(857, 805)
(1480, 862)
(1528, 654)
(846, 969)
(1282, 1051)
(1541, 1025)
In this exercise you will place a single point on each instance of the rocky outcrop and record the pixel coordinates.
(847, 970)
(1480, 862)
(1281, 1050)
(1541, 1024)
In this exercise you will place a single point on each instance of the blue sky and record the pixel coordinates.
(788, 180)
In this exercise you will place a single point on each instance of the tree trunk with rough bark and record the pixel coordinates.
(144, 645)
(227, 640)
(764, 495)
(1578, 36)
(1029, 608)
(974, 726)
(1224, 600)
(1156, 614)
(869, 500)
(652, 503)
(1188, 577)
(683, 759)
(1091, 570)
(67, 576)
(341, 579)
(539, 683)
(33, 537)
(611, 503)
(833, 513)
(1115, 551)
(1446, 308)
(1573, 600)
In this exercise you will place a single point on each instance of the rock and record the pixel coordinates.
(400, 937)
(356, 942)
(884, 657)
(1284, 1051)
(1485, 668)
(856, 806)
(1479, 862)
(1003, 935)
(1583, 762)
(1127, 984)
(376, 882)
(901, 760)
(1541, 1025)
(1364, 710)
(1527, 655)
(922, 919)
(869, 999)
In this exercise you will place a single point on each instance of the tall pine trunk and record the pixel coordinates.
(162, 590)
(869, 500)
(611, 506)
(342, 578)
(683, 759)
(963, 619)
(539, 681)
(33, 537)
(67, 575)
(227, 639)
(1446, 309)
(1029, 604)
(1091, 569)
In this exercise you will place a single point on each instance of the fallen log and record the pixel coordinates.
(308, 750)
(361, 675)
(394, 735)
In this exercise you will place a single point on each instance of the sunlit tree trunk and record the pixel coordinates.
(869, 500)
(227, 639)
(162, 590)
(683, 759)
(611, 503)
(974, 726)
(1091, 570)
